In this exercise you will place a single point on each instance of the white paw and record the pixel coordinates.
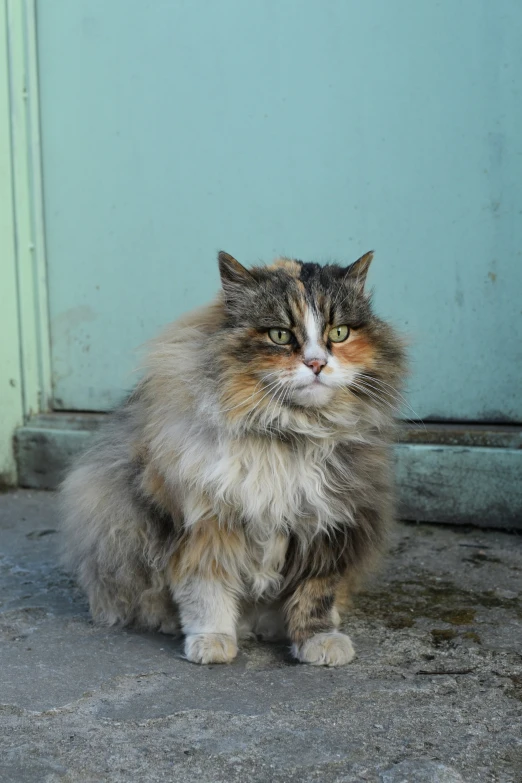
(325, 649)
(210, 648)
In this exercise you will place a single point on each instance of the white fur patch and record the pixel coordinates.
(311, 389)
(313, 348)
(267, 563)
(210, 648)
(206, 606)
(274, 487)
(325, 649)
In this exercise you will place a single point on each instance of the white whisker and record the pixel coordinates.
(366, 390)
(274, 388)
(393, 392)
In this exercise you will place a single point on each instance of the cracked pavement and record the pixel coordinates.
(433, 696)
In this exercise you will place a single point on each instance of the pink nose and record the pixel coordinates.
(316, 365)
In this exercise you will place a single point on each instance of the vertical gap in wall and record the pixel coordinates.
(36, 195)
(29, 235)
(12, 140)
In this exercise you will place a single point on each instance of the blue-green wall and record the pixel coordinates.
(316, 129)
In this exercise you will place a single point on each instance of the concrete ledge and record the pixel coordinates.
(46, 446)
(460, 485)
(476, 480)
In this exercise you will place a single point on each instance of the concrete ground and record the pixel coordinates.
(435, 693)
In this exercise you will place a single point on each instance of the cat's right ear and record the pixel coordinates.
(234, 276)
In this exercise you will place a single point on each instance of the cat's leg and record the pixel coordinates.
(206, 585)
(208, 613)
(312, 622)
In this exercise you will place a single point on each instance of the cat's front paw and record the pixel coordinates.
(210, 648)
(325, 649)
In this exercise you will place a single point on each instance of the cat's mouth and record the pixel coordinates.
(314, 392)
(315, 381)
(309, 386)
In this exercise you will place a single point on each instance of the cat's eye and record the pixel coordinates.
(339, 333)
(280, 336)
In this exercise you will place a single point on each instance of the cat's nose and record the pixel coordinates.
(316, 365)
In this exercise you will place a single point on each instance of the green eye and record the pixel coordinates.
(280, 336)
(339, 333)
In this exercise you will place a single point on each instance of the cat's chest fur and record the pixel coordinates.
(273, 486)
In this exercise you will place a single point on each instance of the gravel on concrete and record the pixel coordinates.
(434, 695)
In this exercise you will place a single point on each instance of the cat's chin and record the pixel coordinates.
(314, 395)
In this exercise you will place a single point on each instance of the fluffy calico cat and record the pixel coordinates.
(247, 477)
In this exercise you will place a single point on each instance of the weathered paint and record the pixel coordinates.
(25, 348)
(319, 130)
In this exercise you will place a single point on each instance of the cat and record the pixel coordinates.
(245, 485)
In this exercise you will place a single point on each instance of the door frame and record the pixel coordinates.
(25, 349)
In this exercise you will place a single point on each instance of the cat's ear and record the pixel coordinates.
(234, 276)
(356, 272)
(232, 271)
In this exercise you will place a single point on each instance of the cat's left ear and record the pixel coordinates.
(356, 272)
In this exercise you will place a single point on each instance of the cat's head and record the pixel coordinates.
(303, 335)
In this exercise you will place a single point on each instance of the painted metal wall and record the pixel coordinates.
(314, 129)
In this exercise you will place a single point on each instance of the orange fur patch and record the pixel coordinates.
(209, 551)
(356, 350)
(348, 585)
(285, 363)
(288, 264)
(242, 391)
(293, 269)
(153, 484)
